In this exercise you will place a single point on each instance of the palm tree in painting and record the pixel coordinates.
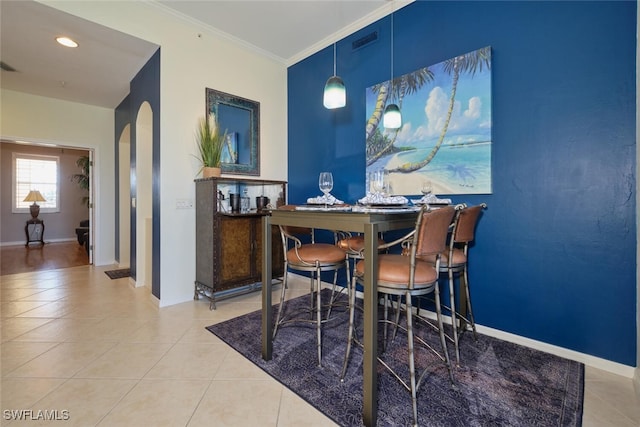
(382, 89)
(470, 63)
(377, 144)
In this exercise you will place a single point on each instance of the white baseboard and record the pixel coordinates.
(103, 263)
(595, 362)
(22, 242)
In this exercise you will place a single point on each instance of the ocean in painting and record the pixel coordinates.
(458, 169)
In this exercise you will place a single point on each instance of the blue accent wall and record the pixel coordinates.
(122, 118)
(554, 258)
(145, 86)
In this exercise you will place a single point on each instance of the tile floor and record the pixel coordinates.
(96, 351)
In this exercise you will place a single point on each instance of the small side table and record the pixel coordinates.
(36, 234)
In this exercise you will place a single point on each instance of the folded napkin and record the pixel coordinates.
(432, 198)
(327, 199)
(381, 199)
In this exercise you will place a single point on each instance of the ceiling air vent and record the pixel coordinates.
(365, 40)
(6, 67)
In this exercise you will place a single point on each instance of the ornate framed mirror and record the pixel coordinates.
(240, 118)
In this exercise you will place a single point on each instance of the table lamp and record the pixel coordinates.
(34, 196)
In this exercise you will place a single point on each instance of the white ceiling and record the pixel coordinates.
(99, 71)
(284, 29)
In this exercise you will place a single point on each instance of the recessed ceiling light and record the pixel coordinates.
(66, 41)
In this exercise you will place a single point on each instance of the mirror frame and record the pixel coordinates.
(215, 98)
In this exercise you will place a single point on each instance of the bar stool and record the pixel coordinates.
(410, 276)
(314, 258)
(454, 260)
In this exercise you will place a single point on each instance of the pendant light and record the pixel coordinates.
(391, 119)
(335, 94)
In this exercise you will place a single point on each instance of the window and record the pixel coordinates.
(34, 172)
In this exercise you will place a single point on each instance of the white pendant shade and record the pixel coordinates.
(392, 119)
(335, 94)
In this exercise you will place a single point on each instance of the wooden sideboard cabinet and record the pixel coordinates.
(229, 244)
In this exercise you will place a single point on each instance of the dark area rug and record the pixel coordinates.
(498, 384)
(118, 274)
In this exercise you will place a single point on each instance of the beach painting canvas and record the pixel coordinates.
(445, 136)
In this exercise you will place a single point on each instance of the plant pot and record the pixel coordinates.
(208, 172)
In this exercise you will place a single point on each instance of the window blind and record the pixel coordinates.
(36, 174)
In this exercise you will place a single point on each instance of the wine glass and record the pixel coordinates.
(426, 190)
(325, 182)
(377, 182)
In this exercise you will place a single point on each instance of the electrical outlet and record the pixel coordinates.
(184, 203)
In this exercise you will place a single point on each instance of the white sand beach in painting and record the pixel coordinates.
(411, 184)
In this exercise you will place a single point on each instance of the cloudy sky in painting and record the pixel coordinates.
(424, 112)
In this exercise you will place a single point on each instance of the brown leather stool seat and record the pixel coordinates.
(354, 245)
(394, 272)
(310, 253)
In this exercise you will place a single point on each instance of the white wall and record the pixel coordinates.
(192, 59)
(124, 217)
(37, 119)
(144, 189)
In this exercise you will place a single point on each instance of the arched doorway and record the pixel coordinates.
(124, 197)
(144, 190)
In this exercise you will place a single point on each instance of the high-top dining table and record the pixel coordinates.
(369, 221)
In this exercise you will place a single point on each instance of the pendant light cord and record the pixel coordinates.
(334, 58)
(391, 54)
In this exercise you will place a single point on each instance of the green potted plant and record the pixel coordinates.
(82, 179)
(210, 144)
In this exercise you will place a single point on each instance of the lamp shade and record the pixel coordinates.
(335, 94)
(392, 119)
(34, 196)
